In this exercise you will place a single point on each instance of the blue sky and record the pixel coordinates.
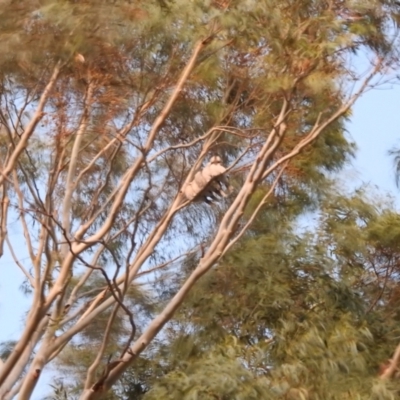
(375, 127)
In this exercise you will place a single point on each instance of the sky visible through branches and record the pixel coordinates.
(375, 128)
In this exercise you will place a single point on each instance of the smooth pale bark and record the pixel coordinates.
(30, 128)
(46, 349)
(49, 301)
(223, 238)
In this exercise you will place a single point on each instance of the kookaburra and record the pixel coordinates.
(208, 184)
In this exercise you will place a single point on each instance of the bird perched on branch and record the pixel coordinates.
(209, 184)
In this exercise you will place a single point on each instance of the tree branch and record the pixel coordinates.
(23, 140)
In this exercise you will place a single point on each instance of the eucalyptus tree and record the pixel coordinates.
(287, 314)
(291, 315)
(107, 112)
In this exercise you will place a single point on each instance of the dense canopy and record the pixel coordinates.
(108, 110)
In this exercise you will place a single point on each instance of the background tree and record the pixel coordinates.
(288, 314)
(311, 316)
(110, 114)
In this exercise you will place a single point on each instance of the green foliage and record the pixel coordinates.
(285, 315)
(218, 375)
(303, 317)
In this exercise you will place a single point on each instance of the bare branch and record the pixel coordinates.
(256, 211)
(71, 183)
(23, 140)
(5, 202)
(392, 366)
(92, 369)
(21, 267)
